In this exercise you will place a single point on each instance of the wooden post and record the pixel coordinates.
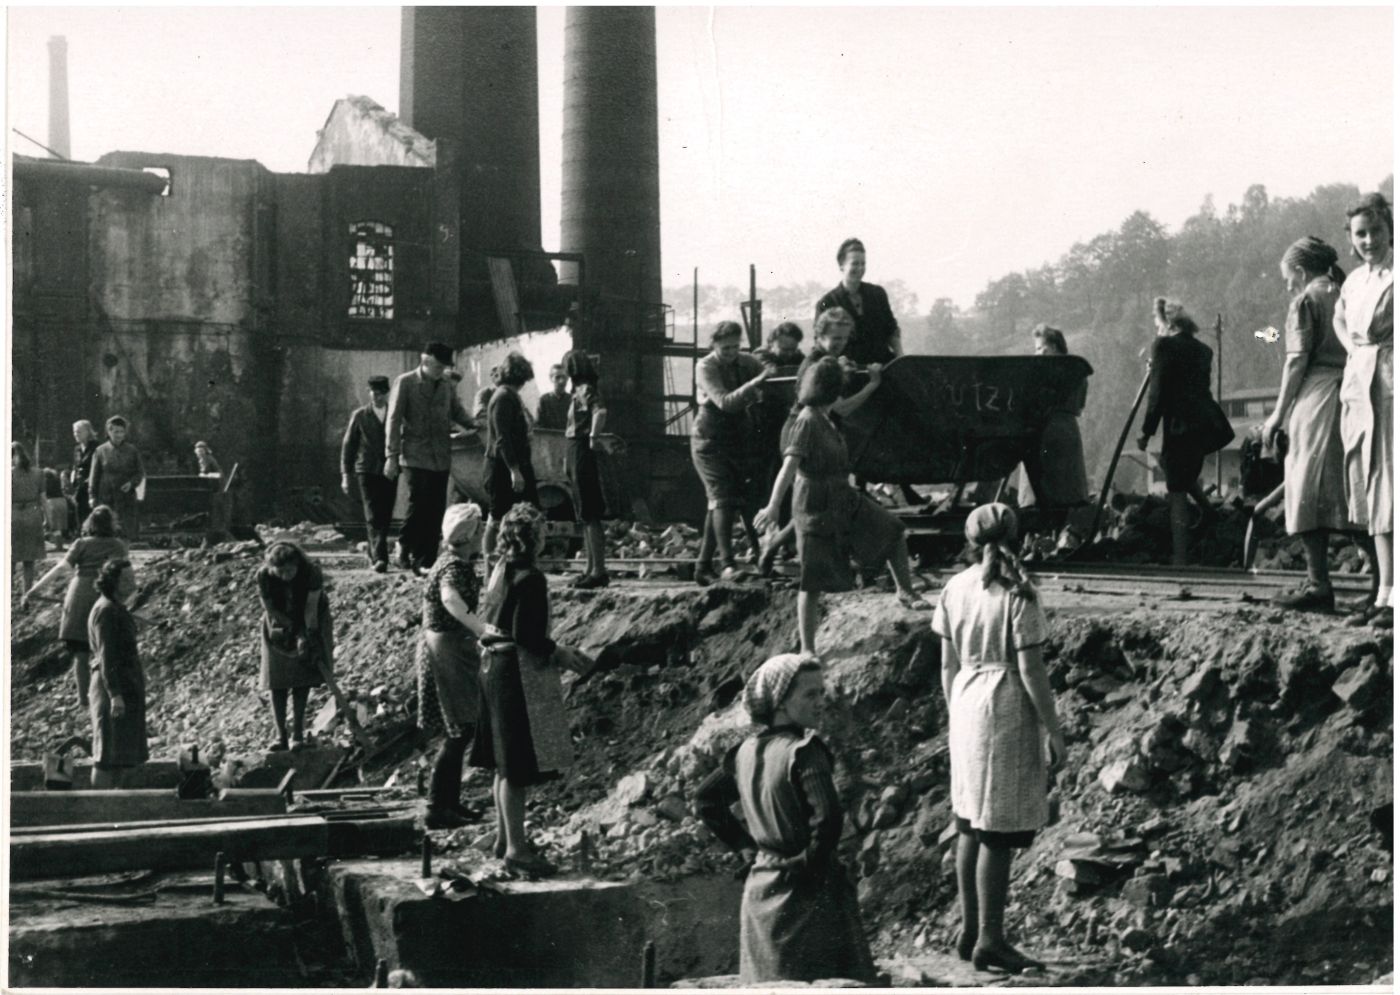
(426, 868)
(219, 865)
(649, 965)
(1219, 394)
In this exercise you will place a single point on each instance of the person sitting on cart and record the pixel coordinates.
(509, 471)
(583, 430)
(835, 521)
(875, 337)
(297, 635)
(1054, 481)
(832, 333)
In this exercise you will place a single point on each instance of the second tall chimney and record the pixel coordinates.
(58, 97)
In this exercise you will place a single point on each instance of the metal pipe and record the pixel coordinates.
(97, 176)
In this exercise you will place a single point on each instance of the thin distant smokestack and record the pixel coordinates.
(58, 97)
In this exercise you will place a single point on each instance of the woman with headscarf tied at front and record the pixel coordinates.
(800, 919)
(1000, 707)
(449, 662)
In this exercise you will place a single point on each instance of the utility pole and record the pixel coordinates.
(1219, 396)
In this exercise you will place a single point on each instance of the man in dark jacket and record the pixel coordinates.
(362, 453)
(423, 407)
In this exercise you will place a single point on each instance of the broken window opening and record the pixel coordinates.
(372, 271)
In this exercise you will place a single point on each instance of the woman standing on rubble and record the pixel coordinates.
(584, 420)
(97, 545)
(1314, 488)
(1365, 323)
(26, 512)
(118, 690)
(522, 730)
(1193, 426)
(1000, 707)
(297, 635)
(449, 661)
(800, 919)
(834, 520)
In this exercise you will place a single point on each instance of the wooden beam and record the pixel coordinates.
(151, 774)
(64, 808)
(193, 847)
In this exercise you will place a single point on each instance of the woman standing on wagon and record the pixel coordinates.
(1365, 322)
(876, 337)
(118, 690)
(800, 919)
(297, 635)
(1000, 707)
(834, 520)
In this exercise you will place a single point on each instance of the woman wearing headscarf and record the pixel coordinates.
(449, 661)
(1364, 321)
(297, 635)
(876, 337)
(583, 425)
(522, 730)
(97, 545)
(800, 919)
(1000, 708)
(1314, 488)
(835, 522)
(1193, 426)
(118, 688)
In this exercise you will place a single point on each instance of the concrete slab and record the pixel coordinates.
(561, 933)
(180, 940)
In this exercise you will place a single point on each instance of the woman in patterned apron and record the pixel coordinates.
(1000, 708)
(1365, 322)
(800, 919)
(522, 730)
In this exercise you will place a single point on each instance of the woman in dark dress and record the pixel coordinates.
(297, 635)
(835, 522)
(800, 919)
(1193, 426)
(1054, 472)
(876, 336)
(583, 426)
(522, 730)
(97, 545)
(449, 661)
(118, 688)
(509, 468)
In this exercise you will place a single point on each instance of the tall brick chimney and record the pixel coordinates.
(58, 97)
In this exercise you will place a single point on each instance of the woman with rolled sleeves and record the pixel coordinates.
(297, 635)
(118, 689)
(449, 661)
(584, 421)
(1193, 426)
(1364, 321)
(835, 522)
(522, 730)
(800, 918)
(875, 338)
(97, 545)
(729, 384)
(1000, 707)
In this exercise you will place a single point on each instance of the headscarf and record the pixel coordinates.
(768, 685)
(461, 523)
(992, 529)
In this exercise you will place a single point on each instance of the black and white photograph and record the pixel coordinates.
(695, 497)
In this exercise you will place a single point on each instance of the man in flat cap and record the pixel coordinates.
(423, 407)
(362, 453)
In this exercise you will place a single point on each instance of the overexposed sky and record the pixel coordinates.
(960, 143)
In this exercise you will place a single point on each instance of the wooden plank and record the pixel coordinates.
(152, 774)
(35, 856)
(333, 815)
(65, 808)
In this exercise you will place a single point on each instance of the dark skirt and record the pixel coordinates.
(1181, 461)
(587, 482)
(723, 469)
(501, 493)
(503, 741)
(802, 926)
(284, 668)
(116, 742)
(855, 527)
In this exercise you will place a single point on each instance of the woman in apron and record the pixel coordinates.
(118, 690)
(1000, 708)
(800, 919)
(1365, 323)
(297, 635)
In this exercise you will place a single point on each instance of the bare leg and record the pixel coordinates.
(498, 797)
(513, 799)
(707, 544)
(279, 713)
(724, 534)
(785, 535)
(809, 613)
(106, 778)
(82, 676)
(1181, 527)
(27, 570)
(488, 542)
(967, 893)
(993, 880)
(593, 545)
(899, 568)
(750, 533)
(1385, 552)
(1315, 552)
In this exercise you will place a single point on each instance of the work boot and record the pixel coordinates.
(381, 566)
(735, 572)
(704, 576)
(445, 819)
(1307, 598)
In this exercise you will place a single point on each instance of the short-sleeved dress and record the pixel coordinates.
(1314, 484)
(26, 515)
(449, 661)
(995, 752)
(116, 671)
(582, 461)
(284, 606)
(835, 522)
(1365, 318)
(85, 558)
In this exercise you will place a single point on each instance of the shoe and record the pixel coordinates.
(1007, 959)
(967, 942)
(381, 566)
(533, 866)
(470, 814)
(915, 603)
(586, 582)
(298, 743)
(704, 576)
(1353, 605)
(735, 572)
(278, 746)
(1307, 598)
(498, 848)
(419, 570)
(439, 818)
